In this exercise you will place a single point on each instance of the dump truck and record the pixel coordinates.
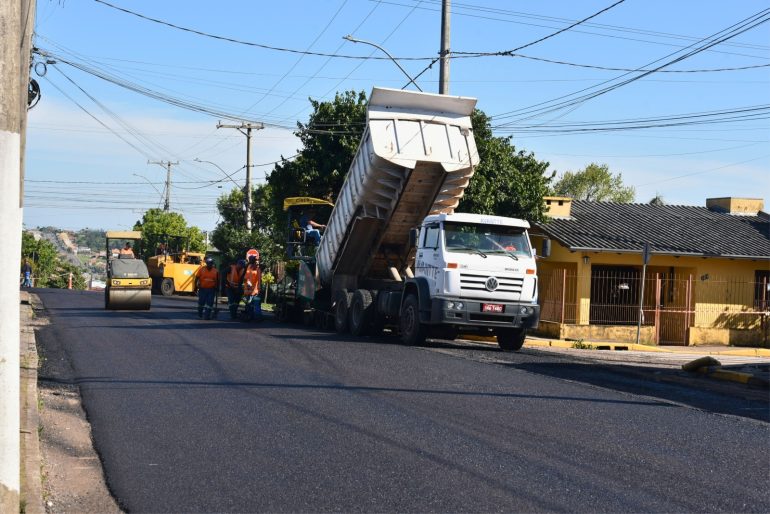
(128, 281)
(395, 254)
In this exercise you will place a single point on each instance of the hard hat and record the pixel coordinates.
(209, 261)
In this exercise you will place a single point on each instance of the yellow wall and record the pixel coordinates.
(722, 293)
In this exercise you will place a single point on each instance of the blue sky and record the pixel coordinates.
(81, 174)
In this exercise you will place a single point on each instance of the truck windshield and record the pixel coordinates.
(489, 239)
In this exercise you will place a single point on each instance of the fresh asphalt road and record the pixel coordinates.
(215, 416)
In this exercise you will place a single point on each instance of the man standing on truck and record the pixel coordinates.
(234, 286)
(312, 228)
(207, 281)
(252, 280)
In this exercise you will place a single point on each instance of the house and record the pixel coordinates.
(706, 280)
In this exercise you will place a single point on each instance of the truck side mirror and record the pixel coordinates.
(413, 237)
(546, 248)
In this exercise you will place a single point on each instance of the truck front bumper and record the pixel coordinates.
(471, 313)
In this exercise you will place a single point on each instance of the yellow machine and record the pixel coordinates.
(128, 281)
(173, 269)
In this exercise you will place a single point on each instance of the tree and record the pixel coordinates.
(329, 142)
(47, 268)
(594, 183)
(232, 238)
(157, 224)
(507, 182)
(657, 200)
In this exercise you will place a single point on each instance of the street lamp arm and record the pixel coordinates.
(395, 61)
(227, 175)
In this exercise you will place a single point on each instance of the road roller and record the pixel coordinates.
(129, 286)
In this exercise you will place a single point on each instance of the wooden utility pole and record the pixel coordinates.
(443, 81)
(245, 129)
(17, 21)
(167, 165)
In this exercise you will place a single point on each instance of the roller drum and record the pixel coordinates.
(129, 299)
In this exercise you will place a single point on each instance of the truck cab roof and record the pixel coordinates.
(484, 219)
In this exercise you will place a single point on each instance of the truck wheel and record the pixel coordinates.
(167, 287)
(510, 339)
(341, 307)
(412, 331)
(360, 312)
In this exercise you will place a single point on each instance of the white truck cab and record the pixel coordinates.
(476, 270)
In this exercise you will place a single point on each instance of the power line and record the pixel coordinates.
(708, 42)
(248, 43)
(566, 28)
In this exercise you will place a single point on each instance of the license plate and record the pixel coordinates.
(491, 307)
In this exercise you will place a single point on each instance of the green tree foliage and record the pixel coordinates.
(594, 183)
(657, 200)
(329, 142)
(93, 239)
(233, 239)
(507, 182)
(156, 225)
(47, 268)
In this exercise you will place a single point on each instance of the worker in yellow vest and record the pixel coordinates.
(207, 281)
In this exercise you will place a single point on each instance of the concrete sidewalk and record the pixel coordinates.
(750, 366)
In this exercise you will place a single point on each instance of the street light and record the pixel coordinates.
(149, 182)
(411, 80)
(227, 175)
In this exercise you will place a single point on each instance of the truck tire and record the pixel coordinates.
(510, 339)
(167, 287)
(341, 307)
(361, 312)
(412, 331)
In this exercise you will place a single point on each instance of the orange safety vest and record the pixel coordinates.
(234, 277)
(207, 278)
(251, 281)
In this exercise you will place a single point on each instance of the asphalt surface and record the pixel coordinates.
(216, 416)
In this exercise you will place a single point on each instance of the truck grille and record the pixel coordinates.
(477, 282)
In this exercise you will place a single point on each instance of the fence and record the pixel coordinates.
(681, 308)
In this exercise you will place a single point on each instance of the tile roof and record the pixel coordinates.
(669, 229)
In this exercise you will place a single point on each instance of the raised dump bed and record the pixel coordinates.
(416, 157)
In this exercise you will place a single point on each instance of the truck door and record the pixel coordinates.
(429, 263)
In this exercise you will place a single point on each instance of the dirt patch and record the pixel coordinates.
(72, 474)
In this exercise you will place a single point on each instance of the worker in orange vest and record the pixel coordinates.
(234, 286)
(252, 281)
(126, 252)
(206, 280)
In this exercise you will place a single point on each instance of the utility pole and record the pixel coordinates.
(167, 165)
(443, 81)
(17, 20)
(245, 129)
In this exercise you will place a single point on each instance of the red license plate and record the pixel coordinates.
(491, 307)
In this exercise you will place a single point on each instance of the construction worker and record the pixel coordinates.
(234, 286)
(26, 270)
(126, 252)
(206, 280)
(252, 280)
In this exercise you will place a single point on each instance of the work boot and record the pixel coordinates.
(200, 313)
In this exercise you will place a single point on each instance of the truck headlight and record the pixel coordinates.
(456, 306)
(525, 310)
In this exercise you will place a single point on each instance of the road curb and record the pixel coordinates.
(31, 457)
(719, 373)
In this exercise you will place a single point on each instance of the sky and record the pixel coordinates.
(641, 86)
